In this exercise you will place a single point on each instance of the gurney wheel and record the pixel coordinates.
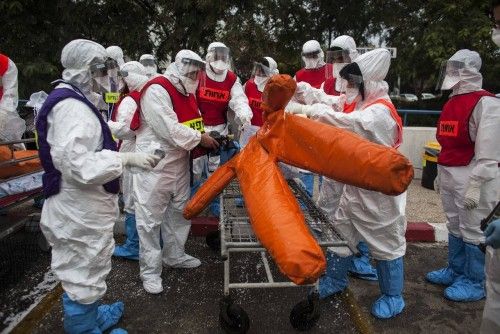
(42, 243)
(213, 240)
(305, 314)
(233, 319)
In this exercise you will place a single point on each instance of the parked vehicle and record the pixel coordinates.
(427, 96)
(408, 97)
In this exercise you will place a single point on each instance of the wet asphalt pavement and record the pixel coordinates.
(190, 301)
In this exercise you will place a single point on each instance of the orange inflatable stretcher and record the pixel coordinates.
(19, 168)
(274, 213)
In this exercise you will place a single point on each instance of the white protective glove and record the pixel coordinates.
(113, 126)
(472, 195)
(297, 109)
(140, 160)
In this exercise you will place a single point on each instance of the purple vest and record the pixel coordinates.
(52, 177)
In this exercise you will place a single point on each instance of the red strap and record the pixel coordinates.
(395, 116)
(349, 108)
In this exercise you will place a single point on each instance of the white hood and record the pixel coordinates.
(136, 77)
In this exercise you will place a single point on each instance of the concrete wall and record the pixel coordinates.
(414, 140)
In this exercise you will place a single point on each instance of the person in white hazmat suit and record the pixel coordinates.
(219, 91)
(115, 52)
(468, 178)
(80, 185)
(134, 75)
(263, 70)
(342, 52)
(12, 126)
(149, 62)
(375, 218)
(491, 320)
(170, 122)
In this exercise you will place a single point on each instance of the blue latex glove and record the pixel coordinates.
(492, 234)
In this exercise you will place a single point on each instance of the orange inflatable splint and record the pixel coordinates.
(19, 168)
(273, 211)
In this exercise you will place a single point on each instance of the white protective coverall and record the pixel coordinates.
(238, 103)
(469, 193)
(363, 214)
(484, 127)
(12, 127)
(161, 194)
(135, 80)
(331, 190)
(249, 130)
(78, 221)
(491, 320)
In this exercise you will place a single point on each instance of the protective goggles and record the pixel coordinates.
(313, 54)
(337, 56)
(450, 74)
(191, 68)
(220, 53)
(261, 70)
(148, 62)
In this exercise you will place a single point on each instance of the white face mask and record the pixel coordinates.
(260, 81)
(190, 85)
(351, 94)
(219, 66)
(311, 63)
(495, 36)
(151, 70)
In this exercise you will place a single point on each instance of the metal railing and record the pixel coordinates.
(405, 113)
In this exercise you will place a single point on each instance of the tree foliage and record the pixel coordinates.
(426, 32)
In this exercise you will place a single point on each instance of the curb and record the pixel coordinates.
(415, 231)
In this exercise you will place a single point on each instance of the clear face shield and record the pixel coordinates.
(150, 65)
(339, 59)
(219, 59)
(106, 80)
(350, 85)
(261, 74)
(190, 71)
(450, 74)
(311, 60)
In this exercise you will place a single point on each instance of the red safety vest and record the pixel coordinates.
(135, 95)
(4, 66)
(329, 86)
(255, 101)
(457, 148)
(185, 107)
(213, 98)
(314, 76)
(395, 116)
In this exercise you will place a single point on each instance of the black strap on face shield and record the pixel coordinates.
(351, 71)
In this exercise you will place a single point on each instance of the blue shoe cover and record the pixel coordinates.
(109, 315)
(239, 202)
(388, 306)
(470, 286)
(465, 290)
(335, 279)
(130, 249)
(308, 181)
(215, 207)
(118, 331)
(390, 280)
(361, 266)
(456, 263)
(79, 318)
